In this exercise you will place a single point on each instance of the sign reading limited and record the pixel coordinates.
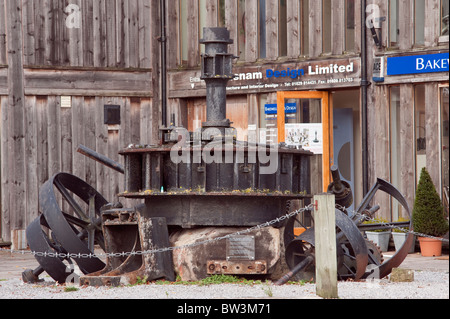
(273, 77)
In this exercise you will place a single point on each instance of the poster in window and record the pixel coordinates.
(308, 136)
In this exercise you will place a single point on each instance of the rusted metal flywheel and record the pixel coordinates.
(57, 232)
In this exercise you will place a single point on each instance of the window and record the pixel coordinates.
(326, 26)
(304, 27)
(349, 25)
(419, 22)
(183, 32)
(282, 28)
(420, 129)
(444, 17)
(221, 14)
(262, 29)
(393, 23)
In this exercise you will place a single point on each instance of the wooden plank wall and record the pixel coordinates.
(111, 34)
(252, 29)
(108, 60)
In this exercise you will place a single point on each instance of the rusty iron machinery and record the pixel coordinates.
(194, 187)
(357, 257)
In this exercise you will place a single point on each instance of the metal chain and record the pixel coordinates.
(161, 250)
(187, 246)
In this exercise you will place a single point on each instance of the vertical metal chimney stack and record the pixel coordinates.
(216, 71)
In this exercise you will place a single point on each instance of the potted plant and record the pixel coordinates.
(399, 236)
(428, 216)
(379, 236)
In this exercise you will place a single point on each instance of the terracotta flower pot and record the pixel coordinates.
(430, 247)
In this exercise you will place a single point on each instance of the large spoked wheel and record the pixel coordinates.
(78, 229)
(352, 254)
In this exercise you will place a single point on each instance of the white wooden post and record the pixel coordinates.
(325, 249)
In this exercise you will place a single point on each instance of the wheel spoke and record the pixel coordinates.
(64, 192)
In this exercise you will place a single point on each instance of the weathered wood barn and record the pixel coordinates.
(365, 82)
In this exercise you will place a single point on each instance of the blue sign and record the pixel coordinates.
(416, 64)
(289, 108)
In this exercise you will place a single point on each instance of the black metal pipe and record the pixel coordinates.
(364, 85)
(101, 158)
(300, 266)
(163, 40)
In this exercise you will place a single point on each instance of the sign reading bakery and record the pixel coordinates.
(416, 64)
(274, 77)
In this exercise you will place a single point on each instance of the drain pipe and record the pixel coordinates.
(163, 40)
(364, 85)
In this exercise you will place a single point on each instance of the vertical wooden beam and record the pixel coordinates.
(173, 34)
(271, 29)
(293, 28)
(193, 34)
(407, 139)
(16, 109)
(315, 28)
(231, 16)
(432, 124)
(155, 105)
(381, 148)
(406, 24)
(211, 13)
(28, 32)
(4, 170)
(338, 26)
(251, 31)
(432, 26)
(325, 248)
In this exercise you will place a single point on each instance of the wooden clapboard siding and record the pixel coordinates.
(88, 82)
(113, 33)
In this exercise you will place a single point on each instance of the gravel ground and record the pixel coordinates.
(426, 285)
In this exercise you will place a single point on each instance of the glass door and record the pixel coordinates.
(304, 120)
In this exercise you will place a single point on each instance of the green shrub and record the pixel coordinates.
(428, 212)
(402, 229)
(377, 221)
